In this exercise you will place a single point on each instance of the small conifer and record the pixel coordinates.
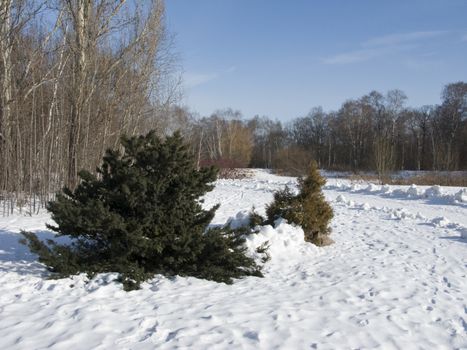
(307, 209)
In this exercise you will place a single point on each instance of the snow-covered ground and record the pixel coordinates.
(394, 279)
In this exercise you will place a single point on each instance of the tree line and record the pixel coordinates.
(75, 75)
(376, 132)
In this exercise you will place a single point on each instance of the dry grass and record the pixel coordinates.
(289, 172)
(234, 173)
(368, 178)
(433, 179)
(457, 179)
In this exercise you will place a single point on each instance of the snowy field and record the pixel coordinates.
(394, 279)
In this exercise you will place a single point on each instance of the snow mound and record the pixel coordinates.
(286, 243)
(413, 191)
(386, 189)
(283, 241)
(400, 213)
(420, 216)
(365, 206)
(433, 191)
(372, 188)
(440, 221)
(461, 196)
(341, 199)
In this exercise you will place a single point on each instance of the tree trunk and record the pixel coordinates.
(6, 47)
(81, 22)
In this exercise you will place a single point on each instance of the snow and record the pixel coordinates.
(395, 278)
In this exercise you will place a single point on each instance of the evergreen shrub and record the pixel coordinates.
(307, 209)
(142, 215)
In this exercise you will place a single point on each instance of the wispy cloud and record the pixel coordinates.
(194, 79)
(354, 56)
(402, 38)
(381, 46)
(464, 37)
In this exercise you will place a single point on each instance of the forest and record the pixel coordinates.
(376, 132)
(77, 74)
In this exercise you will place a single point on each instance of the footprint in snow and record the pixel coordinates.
(251, 335)
(362, 322)
(146, 329)
(446, 281)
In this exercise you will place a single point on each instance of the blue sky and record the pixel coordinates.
(281, 58)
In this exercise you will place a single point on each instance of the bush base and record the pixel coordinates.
(321, 240)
